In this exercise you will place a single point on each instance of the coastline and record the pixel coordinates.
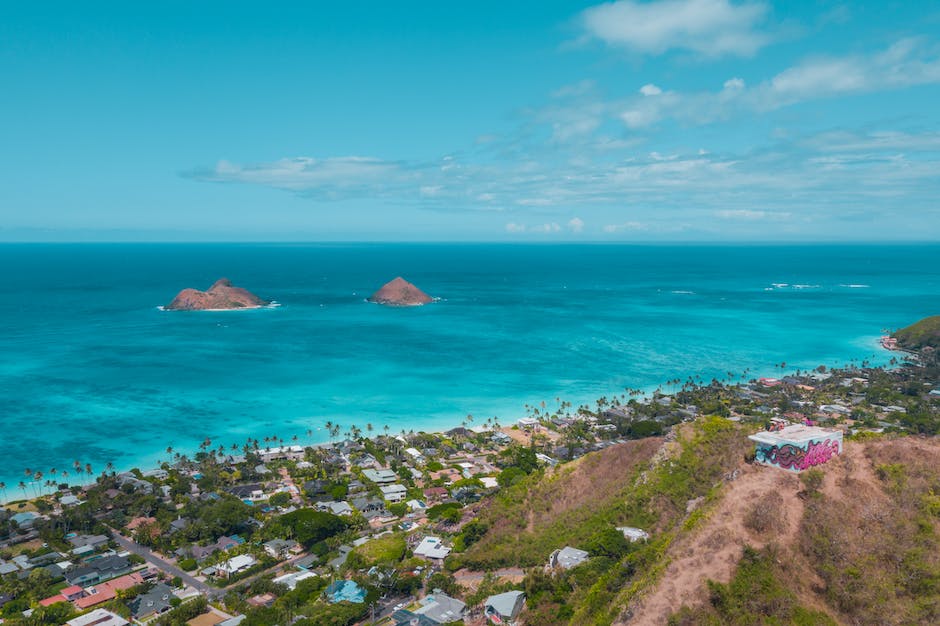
(154, 459)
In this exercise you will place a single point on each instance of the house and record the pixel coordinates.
(504, 608)
(98, 617)
(92, 541)
(489, 482)
(103, 592)
(435, 494)
(404, 617)
(98, 570)
(154, 602)
(127, 478)
(180, 523)
(70, 500)
(290, 580)
(431, 548)
(345, 591)
(25, 519)
(415, 455)
(416, 505)
(370, 507)
(797, 447)
(380, 477)
(527, 423)
(280, 548)
(340, 508)
(440, 608)
(317, 489)
(235, 565)
(567, 557)
(394, 493)
(307, 562)
(633, 534)
(253, 491)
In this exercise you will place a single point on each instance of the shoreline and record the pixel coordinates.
(146, 462)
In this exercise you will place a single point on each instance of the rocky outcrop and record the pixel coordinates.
(222, 296)
(399, 292)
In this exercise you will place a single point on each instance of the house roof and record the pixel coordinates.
(98, 617)
(795, 433)
(431, 548)
(507, 604)
(569, 557)
(441, 608)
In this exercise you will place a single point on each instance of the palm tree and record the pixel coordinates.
(37, 477)
(22, 486)
(3, 488)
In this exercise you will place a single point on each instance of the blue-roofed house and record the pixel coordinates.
(345, 591)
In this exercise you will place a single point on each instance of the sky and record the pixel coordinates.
(668, 120)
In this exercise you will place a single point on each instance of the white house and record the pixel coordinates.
(394, 493)
(235, 565)
(431, 548)
(290, 580)
(567, 557)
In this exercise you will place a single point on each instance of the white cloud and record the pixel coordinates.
(552, 227)
(576, 224)
(430, 191)
(650, 90)
(625, 226)
(577, 89)
(333, 174)
(907, 63)
(751, 215)
(513, 227)
(708, 27)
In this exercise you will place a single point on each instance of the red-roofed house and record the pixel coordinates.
(73, 593)
(96, 596)
(52, 600)
(106, 591)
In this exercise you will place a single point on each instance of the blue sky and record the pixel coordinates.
(699, 120)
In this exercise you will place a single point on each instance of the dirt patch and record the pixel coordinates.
(714, 549)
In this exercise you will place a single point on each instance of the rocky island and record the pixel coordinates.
(221, 296)
(399, 292)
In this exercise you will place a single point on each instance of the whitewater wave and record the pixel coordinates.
(853, 286)
(683, 292)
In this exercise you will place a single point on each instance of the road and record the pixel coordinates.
(166, 566)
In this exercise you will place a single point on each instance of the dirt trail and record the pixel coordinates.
(714, 549)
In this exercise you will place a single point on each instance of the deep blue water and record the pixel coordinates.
(91, 370)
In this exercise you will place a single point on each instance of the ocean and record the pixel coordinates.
(91, 370)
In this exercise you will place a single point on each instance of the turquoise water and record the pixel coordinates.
(91, 370)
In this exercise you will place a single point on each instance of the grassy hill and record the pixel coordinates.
(922, 334)
(856, 542)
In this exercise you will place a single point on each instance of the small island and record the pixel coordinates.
(221, 296)
(399, 292)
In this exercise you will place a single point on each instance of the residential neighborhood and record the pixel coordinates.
(374, 530)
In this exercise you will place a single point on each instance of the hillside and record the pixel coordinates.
(922, 334)
(857, 542)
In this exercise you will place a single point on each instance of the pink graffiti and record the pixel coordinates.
(789, 456)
